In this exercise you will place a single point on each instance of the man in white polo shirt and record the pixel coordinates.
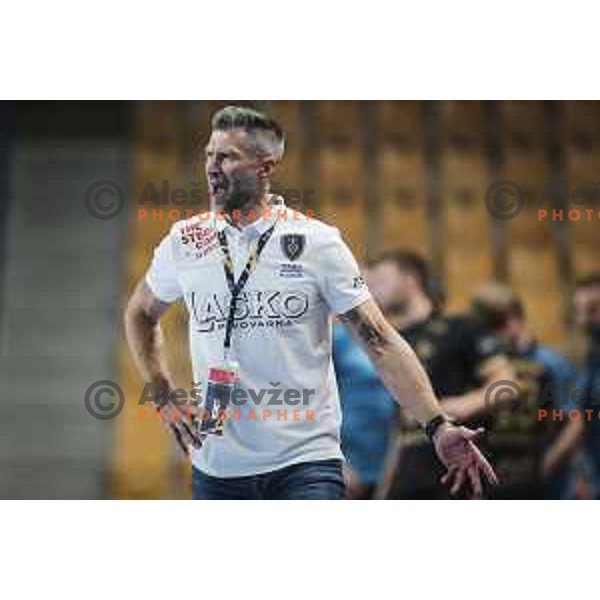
(261, 283)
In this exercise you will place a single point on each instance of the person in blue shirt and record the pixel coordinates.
(367, 415)
(586, 302)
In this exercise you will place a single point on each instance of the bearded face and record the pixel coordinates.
(232, 170)
(234, 190)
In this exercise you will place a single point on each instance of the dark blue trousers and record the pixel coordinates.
(316, 480)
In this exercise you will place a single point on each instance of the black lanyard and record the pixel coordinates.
(236, 287)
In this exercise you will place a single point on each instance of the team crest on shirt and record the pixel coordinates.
(292, 245)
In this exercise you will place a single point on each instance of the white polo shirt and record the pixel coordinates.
(281, 336)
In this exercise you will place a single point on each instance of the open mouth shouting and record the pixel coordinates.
(218, 187)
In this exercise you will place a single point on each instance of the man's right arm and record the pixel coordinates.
(143, 335)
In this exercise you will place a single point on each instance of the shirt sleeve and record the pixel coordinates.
(341, 283)
(161, 277)
(564, 377)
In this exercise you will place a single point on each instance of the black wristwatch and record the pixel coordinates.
(434, 424)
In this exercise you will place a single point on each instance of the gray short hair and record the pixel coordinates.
(268, 137)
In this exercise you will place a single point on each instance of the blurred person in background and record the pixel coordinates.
(533, 454)
(368, 410)
(460, 357)
(586, 303)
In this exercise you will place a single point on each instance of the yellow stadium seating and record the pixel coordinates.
(466, 243)
(400, 124)
(339, 122)
(341, 193)
(402, 194)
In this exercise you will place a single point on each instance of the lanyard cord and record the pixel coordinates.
(236, 287)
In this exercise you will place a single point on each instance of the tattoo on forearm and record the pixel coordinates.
(368, 332)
